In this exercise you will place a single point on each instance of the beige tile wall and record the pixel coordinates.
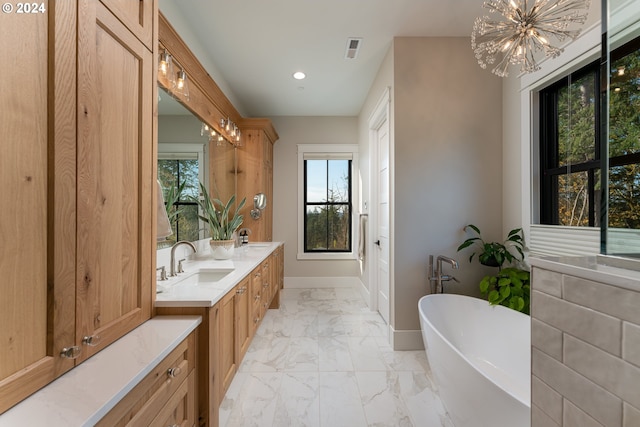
(585, 339)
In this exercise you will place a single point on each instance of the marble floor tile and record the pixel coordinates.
(366, 355)
(323, 359)
(340, 402)
(255, 404)
(381, 399)
(334, 354)
(298, 401)
(302, 355)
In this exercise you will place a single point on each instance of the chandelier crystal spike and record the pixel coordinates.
(526, 31)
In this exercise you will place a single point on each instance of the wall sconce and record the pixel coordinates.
(232, 131)
(165, 68)
(182, 86)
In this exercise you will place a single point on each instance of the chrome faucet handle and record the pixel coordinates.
(447, 277)
(163, 272)
(180, 269)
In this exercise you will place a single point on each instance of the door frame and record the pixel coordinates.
(380, 115)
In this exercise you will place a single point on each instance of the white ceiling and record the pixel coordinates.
(258, 44)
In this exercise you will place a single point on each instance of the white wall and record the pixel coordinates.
(294, 131)
(382, 82)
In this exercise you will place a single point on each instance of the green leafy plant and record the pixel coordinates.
(511, 287)
(171, 196)
(495, 254)
(216, 214)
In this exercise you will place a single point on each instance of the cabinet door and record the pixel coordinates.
(37, 267)
(243, 318)
(115, 151)
(256, 299)
(137, 16)
(266, 286)
(227, 343)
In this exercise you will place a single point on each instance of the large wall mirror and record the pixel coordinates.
(187, 154)
(621, 106)
(182, 164)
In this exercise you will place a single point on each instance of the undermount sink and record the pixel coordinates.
(259, 245)
(204, 277)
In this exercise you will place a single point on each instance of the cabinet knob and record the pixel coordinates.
(71, 352)
(174, 372)
(92, 340)
(257, 297)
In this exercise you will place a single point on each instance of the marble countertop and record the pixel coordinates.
(89, 391)
(615, 271)
(173, 293)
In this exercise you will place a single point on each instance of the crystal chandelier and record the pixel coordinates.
(526, 30)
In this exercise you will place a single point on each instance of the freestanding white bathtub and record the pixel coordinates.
(480, 358)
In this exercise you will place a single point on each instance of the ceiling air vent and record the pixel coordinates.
(353, 45)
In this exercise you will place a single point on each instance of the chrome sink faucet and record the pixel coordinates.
(438, 277)
(172, 265)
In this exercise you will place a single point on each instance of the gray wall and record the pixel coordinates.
(294, 131)
(447, 143)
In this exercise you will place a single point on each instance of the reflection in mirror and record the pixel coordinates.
(621, 235)
(182, 163)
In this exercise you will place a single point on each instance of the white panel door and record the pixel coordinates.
(382, 239)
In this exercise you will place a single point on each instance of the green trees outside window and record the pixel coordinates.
(328, 205)
(175, 174)
(570, 145)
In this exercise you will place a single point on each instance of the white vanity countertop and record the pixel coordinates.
(604, 269)
(88, 392)
(245, 259)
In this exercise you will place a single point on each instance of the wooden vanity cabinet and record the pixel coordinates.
(166, 396)
(77, 166)
(277, 276)
(207, 382)
(243, 317)
(256, 298)
(227, 347)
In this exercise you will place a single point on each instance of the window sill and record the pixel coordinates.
(326, 256)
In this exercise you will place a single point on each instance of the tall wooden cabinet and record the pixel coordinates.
(255, 174)
(77, 119)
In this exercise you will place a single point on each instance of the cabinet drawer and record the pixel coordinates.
(150, 396)
(179, 409)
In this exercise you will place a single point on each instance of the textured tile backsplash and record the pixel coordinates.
(585, 338)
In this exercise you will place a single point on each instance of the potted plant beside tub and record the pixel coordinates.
(511, 286)
(221, 224)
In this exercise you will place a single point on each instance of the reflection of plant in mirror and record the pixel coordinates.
(510, 287)
(216, 214)
(171, 196)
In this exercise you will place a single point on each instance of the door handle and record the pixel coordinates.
(377, 242)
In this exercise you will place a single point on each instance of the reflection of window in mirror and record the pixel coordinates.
(179, 174)
(182, 164)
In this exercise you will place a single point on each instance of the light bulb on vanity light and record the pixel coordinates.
(182, 87)
(165, 68)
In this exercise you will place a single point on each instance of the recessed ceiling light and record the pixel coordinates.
(299, 75)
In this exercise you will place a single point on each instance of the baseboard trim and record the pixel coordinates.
(321, 282)
(406, 339)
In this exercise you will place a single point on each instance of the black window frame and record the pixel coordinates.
(348, 204)
(550, 170)
(598, 215)
(175, 224)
